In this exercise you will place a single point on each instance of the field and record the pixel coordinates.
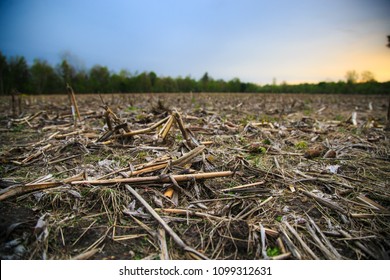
(195, 176)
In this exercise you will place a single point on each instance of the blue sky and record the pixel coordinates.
(256, 41)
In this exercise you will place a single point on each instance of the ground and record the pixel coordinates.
(309, 177)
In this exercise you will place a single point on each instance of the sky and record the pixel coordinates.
(254, 40)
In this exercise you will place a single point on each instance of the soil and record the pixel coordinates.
(319, 165)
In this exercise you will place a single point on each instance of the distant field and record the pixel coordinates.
(309, 174)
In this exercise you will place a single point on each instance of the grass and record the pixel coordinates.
(273, 251)
(301, 145)
(132, 109)
(267, 142)
(18, 128)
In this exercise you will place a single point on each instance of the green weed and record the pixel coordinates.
(273, 251)
(301, 145)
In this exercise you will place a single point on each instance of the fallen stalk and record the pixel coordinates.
(142, 131)
(159, 165)
(325, 202)
(186, 212)
(156, 179)
(167, 228)
(22, 189)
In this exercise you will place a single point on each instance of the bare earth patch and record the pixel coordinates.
(219, 176)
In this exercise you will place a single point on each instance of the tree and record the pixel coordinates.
(234, 85)
(352, 77)
(81, 82)
(153, 79)
(99, 78)
(367, 77)
(3, 73)
(167, 84)
(143, 83)
(67, 72)
(204, 81)
(43, 77)
(18, 74)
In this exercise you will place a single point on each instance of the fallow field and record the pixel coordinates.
(195, 176)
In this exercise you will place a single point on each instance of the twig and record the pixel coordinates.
(167, 228)
(237, 188)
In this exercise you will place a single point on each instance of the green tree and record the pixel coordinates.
(186, 84)
(153, 79)
(99, 79)
(204, 82)
(18, 74)
(67, 72)
(81, 82)
(167, 84)
(142, 83)
(3, 73)
(43, 77)
(234, 85)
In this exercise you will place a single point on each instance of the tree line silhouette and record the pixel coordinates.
(42, 78)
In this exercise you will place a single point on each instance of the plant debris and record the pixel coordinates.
(200, 176)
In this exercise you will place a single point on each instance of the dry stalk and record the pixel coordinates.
(188, 156)
(241, 187)
(157, 179)
(22, 189)
(333, 254)
(145, 130)
(166, 127)
(74, 106)
(324, 202)
(37, 154)
(282, 256)
(183, 130)
(359, 244)
(167, 228)
(294, 250)
(300, 240)
(163, 164)
(162, 241)
(86, 255)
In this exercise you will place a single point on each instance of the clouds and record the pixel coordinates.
(252, 40)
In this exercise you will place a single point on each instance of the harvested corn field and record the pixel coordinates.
(195, 176)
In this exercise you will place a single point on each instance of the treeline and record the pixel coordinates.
(42, 78)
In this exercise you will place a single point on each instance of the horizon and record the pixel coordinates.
(255, 41)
